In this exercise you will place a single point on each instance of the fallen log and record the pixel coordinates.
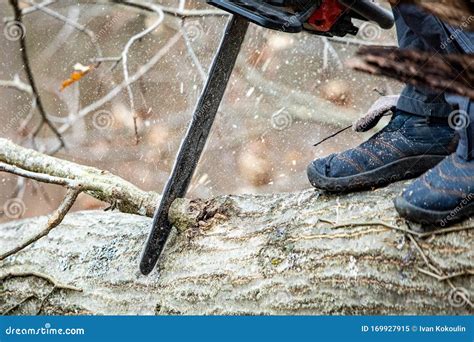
(301, 253)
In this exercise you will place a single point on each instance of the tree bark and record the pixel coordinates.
(267, 254)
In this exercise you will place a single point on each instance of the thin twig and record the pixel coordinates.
(437, 273)
(446, 277)
(178, 12)
(67, 21)
(124, 56)
(55, 219)
(17, 84)
(43, 301)
(40, 177)
(17, 305)
(423, 255)
(32, 9)
(445, 231)
(39, 275)
(367, 224)
(401, 229)
(192, 53)
(332, 135)
(31, 79)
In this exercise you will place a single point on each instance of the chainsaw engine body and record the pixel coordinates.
(322, 17)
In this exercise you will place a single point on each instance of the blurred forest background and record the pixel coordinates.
(288, 92)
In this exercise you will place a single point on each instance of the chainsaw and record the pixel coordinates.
(322, 17)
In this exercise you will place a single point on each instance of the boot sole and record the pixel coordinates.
(405, 168)
(432, 217)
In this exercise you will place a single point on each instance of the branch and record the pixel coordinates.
(438, 274)
(99, 184)
(17, 84)
(453, 73)
(56, 286)
(119, 88)
(39, 275)
(124, 57)
(53, 222)
(31, 79)
(79, 27)
(181, 13)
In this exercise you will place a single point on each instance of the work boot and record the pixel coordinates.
(407, 147)
(442, 196)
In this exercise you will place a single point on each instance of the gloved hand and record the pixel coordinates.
(379, 109)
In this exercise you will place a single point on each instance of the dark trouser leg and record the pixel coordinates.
(421, 31)
(445, 194)
(465, 41)
(464, 118)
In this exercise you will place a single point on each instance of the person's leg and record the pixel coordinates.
(465, 41)
(445, 194)
(417, 138)
(420, 31)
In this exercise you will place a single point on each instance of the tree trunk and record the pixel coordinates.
(272, 254)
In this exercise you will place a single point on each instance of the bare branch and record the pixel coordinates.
(118, 89)
(67, 21)
(17, 84)
(17, 305)
(53, 222)
(179, 12)
(124, 56)
(39, 275)
(31, 79)
(99, 184)
(40, 177)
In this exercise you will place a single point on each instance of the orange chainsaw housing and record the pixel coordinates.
(324, 18)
